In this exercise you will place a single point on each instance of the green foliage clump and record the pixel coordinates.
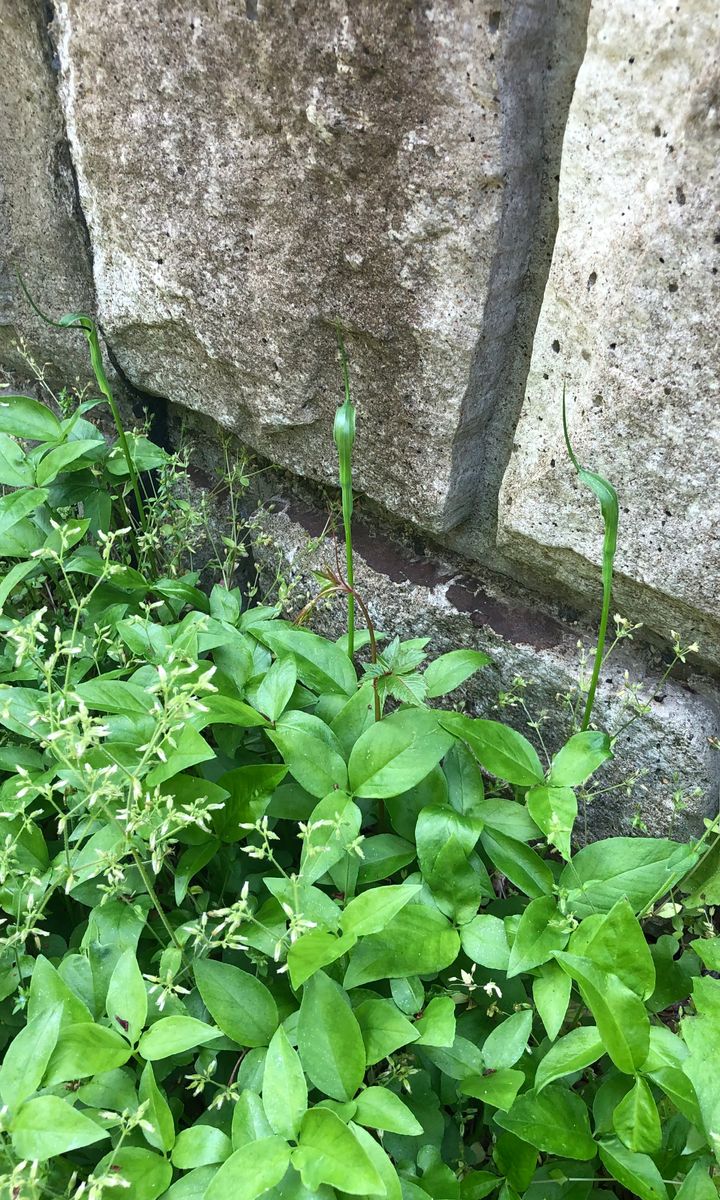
(280, 924)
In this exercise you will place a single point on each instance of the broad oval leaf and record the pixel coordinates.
(284, 1091)
(47, 1126)
(321, 665)
(250, 1171)
(501, 750)
(175, 1035)
(636, 1172)
(581, 755)
(621, 1017)
(330, 1043)
(447, 672)
(602, 873)
(23, 417)
(330, 1153)
(542, 930)
(418, 941)
(508, 1041)
(577, 1050)
(238, 1002)
(555, 1122)
(395, 754)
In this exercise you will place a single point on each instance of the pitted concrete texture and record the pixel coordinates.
(629, 322)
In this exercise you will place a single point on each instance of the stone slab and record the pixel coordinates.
(668, 754)
(629, 323)
(252, 173)
(41, 233)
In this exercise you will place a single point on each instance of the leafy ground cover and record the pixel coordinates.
(280, 920)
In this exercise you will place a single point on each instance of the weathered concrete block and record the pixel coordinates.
(252, 173)
(665, 773)
(41, 234)
(629, 320)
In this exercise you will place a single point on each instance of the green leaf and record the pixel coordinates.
(126, 1004)
(551, 993)
(381, 1162)
(708, 951)
(555, 1122)
(697, 1185)
(250, 1171)
(250, 789)
(157, 1113)
(577, 1050)
(501, 750)
(542, 930)
(48, 1126)
(83, 1050)
(458, 1061)
(448, 671)
(115, 696)
(636, 1172)
(522, 866)
(52, 463)
(47, 988)
(374, 909)
(638, 868)
(238, 1002)
(321, 665)
(418, 941)
(274, 692)
(303, 742)
(554, 810)
(148, 1174)
(15, 468)
(175, 1035)
(249, 1122)
(14, 506)
(334, 824)
(621, 1017)
(14, 577)
(384, 1029)
(383, 855)
(437, 1025)
(284, 1092)
(26, 418)
(678, 1088)
(508, 1041)
(330, 1043)
(200, 1146)
(579, 758)
(484, 940)
(356, 715)
(395, 754)
(379, 1108)
(617, 943)
(330, 1153)
(498, 1088)
(636, 1120)
(27, 1057)
(314, 950)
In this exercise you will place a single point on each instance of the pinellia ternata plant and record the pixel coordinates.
(277, 924)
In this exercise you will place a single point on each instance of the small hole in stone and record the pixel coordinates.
(494, 21)
(592, 279)
(632, 59)
(680, 195)
(251, 9)
(716, 238)
(613, 345)
(657, 131)
(672, 287)
(556, 346)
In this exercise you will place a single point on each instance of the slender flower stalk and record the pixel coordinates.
(344, 435)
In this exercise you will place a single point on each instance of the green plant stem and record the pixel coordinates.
(602, 632)
(344, 434)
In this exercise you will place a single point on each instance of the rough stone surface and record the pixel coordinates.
(41, 234)
(250, 173)
(414, 596)
(630, 321)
